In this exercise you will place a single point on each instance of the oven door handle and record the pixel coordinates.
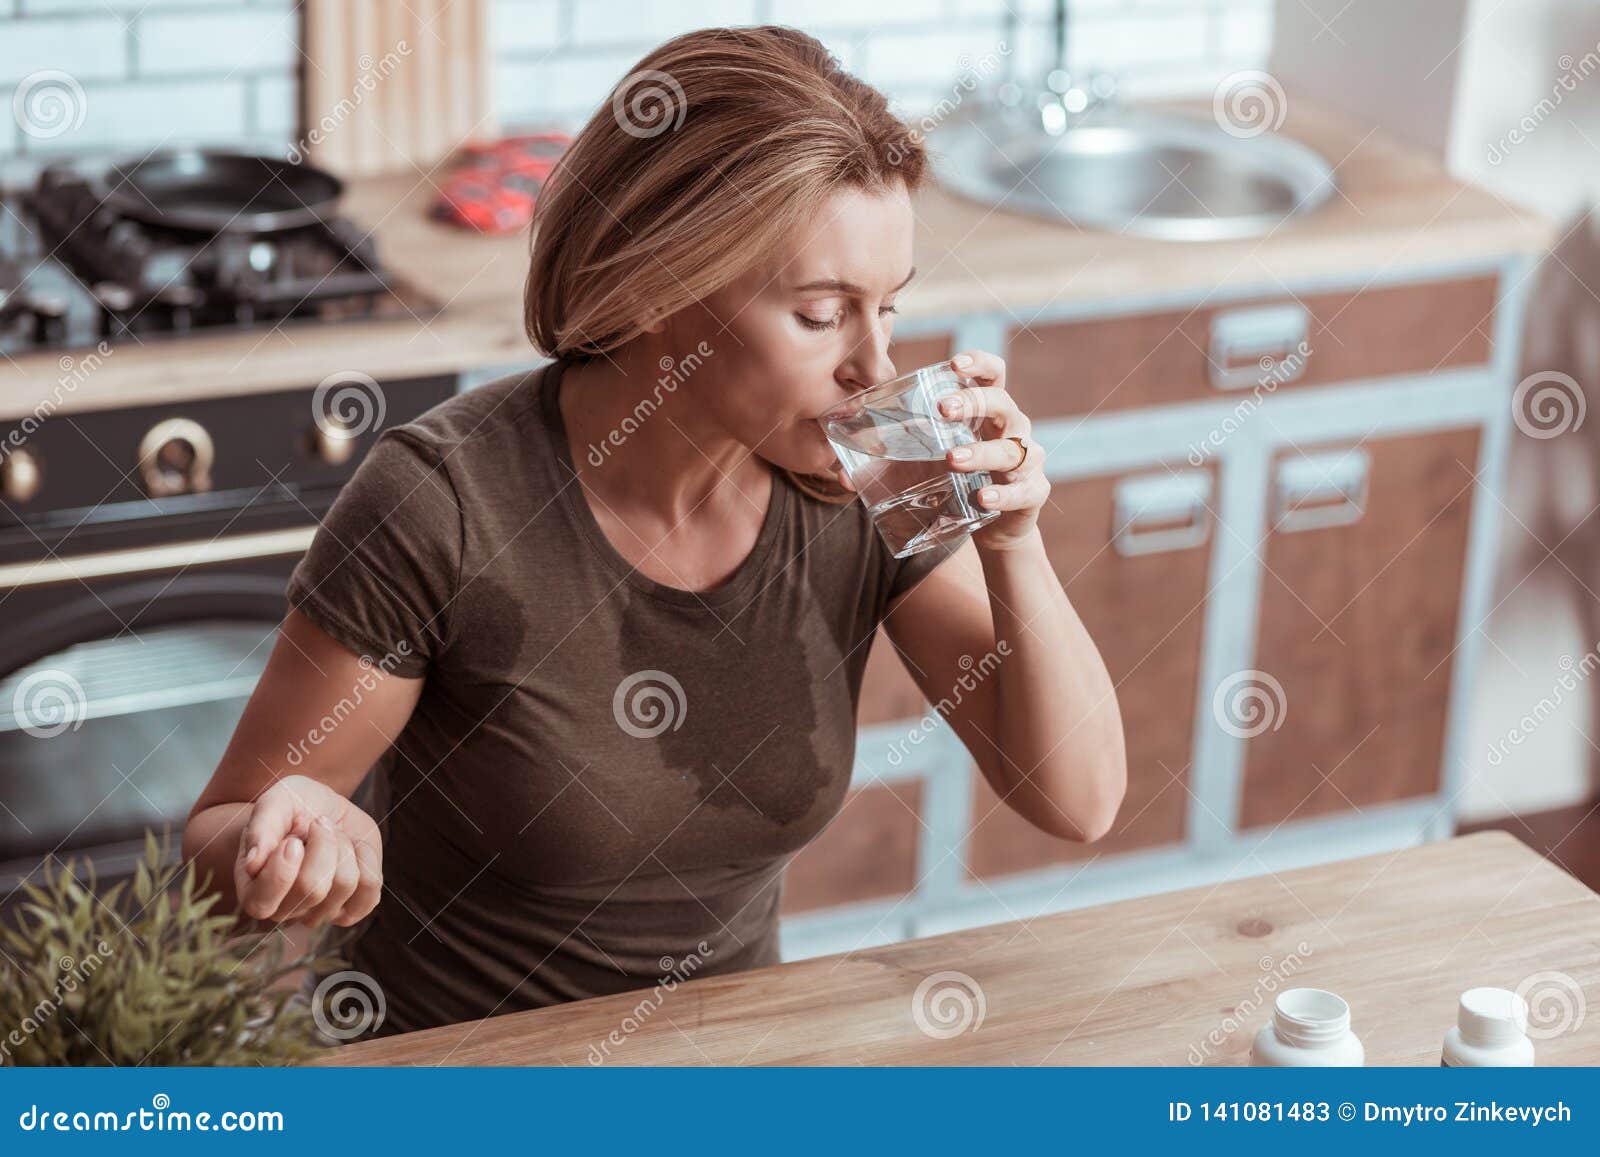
(147, 559)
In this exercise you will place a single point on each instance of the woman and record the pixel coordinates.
(602, 626)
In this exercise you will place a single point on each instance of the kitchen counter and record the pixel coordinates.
(1151, 981)
(1393, 208)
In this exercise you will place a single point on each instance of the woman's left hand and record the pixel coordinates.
(1013, 459)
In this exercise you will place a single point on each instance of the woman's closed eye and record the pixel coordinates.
(817, 323)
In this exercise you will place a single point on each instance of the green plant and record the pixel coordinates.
(147, 975)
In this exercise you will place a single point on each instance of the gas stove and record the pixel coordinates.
(30, 317)
(78, 268)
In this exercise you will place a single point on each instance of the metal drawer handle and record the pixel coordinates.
(20, 476)
(142, 560)
(1318, 490)
(175, 457)
(1257, 346)
(1161, 512)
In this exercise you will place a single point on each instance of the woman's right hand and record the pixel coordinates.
(308, 855)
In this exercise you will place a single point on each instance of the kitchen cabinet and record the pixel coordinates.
(1278, 499)
(1360, 598)
(1132, 553)
(868, 852)
(1194, 353)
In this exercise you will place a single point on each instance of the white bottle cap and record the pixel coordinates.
(1310, 1017)
(1491, 1016)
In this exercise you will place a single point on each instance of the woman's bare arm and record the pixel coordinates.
(275, 827)
(992, 637)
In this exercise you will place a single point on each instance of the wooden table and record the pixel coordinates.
(1180, 978)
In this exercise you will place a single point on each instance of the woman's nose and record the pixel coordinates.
(868, 365)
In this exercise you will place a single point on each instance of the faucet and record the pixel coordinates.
(1059, 101)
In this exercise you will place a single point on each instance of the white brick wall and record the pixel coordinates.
(557, 59)
(152, 72)
(96, 47)
(174, 43)
(652, 21)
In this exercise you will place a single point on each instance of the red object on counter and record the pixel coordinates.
(497, 184)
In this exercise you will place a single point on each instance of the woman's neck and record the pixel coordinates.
(639, 442)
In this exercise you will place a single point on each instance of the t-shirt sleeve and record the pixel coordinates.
(384, 566)
(901, 574)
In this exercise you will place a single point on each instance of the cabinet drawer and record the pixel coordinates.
(1132, 552)
(1361, 591)
(1213, 351)
(868, 852)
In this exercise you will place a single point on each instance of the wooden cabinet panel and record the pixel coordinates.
(868, 852)
(1357, 624)
(915, 352)
(1160, 358)
(888, 693)
(1132, 552)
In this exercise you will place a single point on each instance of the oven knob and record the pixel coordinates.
(175, 457)
(20, 477)
(332, 441)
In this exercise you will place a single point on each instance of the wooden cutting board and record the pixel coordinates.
(1176, 979)
(391, 86)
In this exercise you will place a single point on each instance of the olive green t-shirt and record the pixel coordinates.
(605, 776)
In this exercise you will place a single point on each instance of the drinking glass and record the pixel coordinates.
(892, 441)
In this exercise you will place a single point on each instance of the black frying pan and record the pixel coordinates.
(209, 191)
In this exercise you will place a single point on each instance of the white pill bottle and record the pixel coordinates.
(1309, 1028)
(1491, 1031)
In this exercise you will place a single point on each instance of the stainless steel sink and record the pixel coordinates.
(1144, 172)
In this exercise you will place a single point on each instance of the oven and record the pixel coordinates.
(143, 557)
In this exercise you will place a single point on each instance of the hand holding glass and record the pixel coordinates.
(892, 442)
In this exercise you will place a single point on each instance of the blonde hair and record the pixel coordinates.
(707, 154)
